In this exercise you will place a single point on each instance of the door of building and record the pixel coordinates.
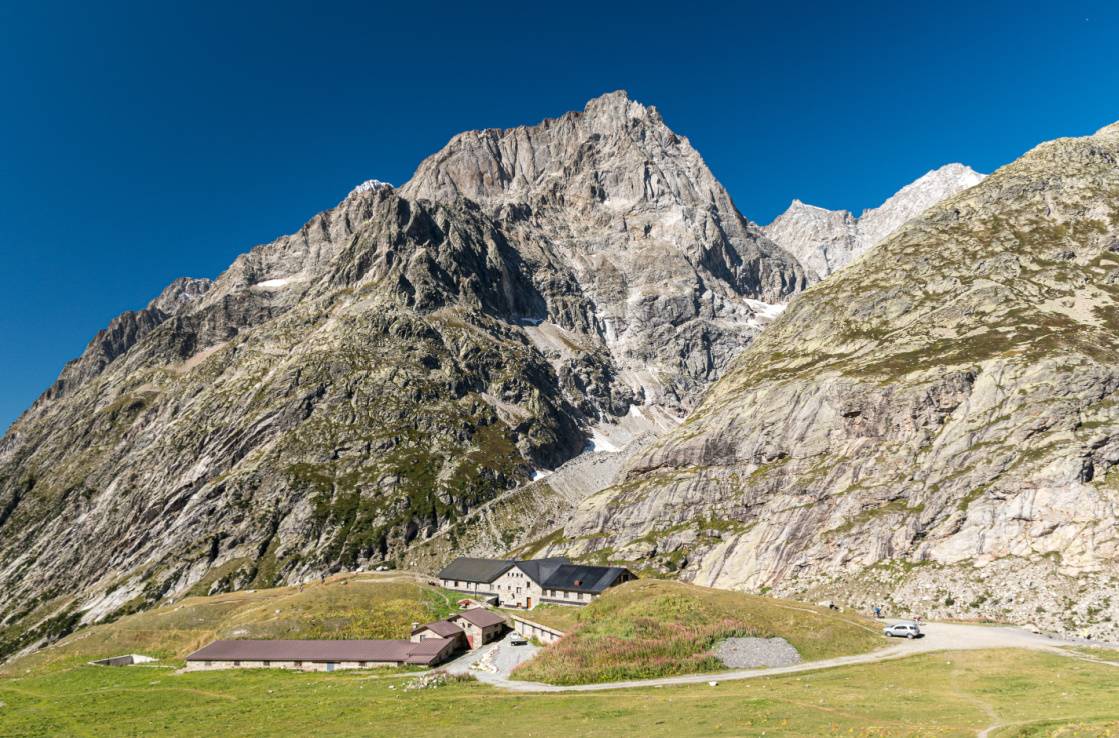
(528, 603)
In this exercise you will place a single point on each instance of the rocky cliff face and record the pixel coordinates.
(934, 428)
(625, 212)
(341, 394)
(825, 241)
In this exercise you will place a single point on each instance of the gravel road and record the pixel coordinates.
(938, 637)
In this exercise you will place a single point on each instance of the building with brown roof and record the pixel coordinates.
(439, 629)
(321, 655)
(479, 625)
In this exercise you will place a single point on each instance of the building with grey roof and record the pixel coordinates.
(526, 583)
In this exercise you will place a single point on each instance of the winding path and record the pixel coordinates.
(938, 637)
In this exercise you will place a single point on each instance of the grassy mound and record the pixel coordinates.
(346, 606)
(652, 628)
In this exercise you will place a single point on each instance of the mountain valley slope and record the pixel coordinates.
(340, 394)
(934, 428)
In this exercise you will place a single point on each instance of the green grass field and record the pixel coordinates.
(55, 693)
(346, 606)
(650, 628)
(950, 694)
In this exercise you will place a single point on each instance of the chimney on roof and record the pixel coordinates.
(578, 582)
(415, 625)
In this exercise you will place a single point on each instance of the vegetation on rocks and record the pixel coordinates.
(340, 396)
(944, 399)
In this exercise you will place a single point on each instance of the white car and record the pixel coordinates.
(903, 630)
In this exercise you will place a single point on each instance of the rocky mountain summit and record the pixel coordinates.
(825, 241)
(934, 428)
(339, 395)
(668, 273)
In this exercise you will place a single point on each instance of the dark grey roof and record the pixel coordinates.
(475, 570)
(440, 628)
(538, 570)
(579, 578)
(480, 616)
(426, 651)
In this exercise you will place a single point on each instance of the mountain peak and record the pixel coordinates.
(1109, 131)
(370, 184)
(827, 240)
(615, 99)
(619, 104)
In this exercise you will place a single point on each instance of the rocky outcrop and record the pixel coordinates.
(933, 428)
(340, 395)
(825, 241)
(124, 331)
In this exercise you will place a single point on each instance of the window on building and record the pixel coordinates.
(236, 663)
(361, 664)
(566, 595)
(209, 663)
(299, 663)
(267, 663)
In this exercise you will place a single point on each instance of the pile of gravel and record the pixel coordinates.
(746, 653)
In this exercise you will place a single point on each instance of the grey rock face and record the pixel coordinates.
(933, 428)
(623, 213)
(342, 394)
(825, 241)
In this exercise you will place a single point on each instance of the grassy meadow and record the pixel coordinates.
(346, 606)
(651, 628)
(945, 694)
(1015, 693)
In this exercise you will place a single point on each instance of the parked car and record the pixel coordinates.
(903, 630)
(517, 640)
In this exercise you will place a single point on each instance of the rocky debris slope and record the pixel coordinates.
(825, 241)
(935, 428)
(343, 393)
(751, 653)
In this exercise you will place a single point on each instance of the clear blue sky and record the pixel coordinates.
(146, 141)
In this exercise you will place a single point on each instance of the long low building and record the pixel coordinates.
(320, 655)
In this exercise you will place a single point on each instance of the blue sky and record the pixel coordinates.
(147, 141)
